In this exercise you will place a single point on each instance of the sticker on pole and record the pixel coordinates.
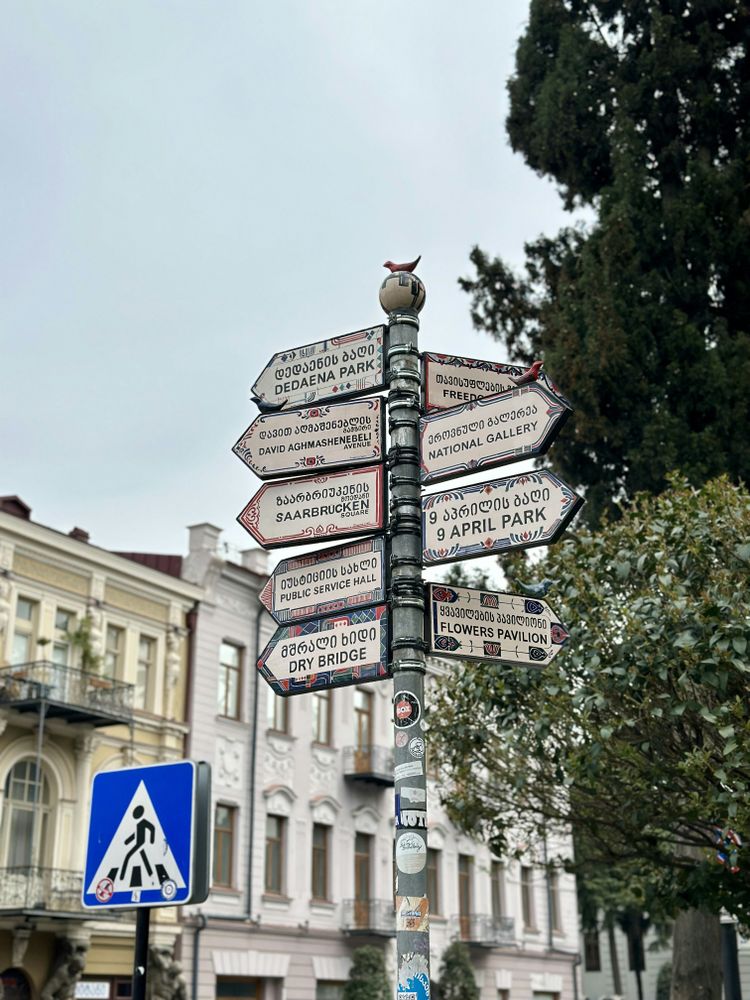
(148, 827)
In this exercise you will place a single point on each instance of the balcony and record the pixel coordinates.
(483, 930)
(51, 890)
(67, 693)
(369, 764)
(369, 916)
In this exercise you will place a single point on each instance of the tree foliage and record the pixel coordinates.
(367, 978)
(457, 980)
(637, 736)
(637, 109)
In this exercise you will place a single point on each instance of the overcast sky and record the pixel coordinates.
(187, 187)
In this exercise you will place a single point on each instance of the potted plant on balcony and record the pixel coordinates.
(80, 639)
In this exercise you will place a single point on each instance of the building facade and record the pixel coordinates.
(94, 656)
(303, 833)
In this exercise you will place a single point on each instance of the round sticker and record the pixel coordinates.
(168, 888)
(411, 853)
(406, 710)
(416, 747)
(104, 889)
(401, 739)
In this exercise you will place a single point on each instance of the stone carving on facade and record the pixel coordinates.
(96, 627)
(165, 980)
(69, 963)
(275, 767)
(228, 762)
(323, 768)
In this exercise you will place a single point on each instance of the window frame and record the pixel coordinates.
(275, 845)
(320, 865)
(433, 879)
(528, 914)
(224, 837)
(322, 698)
(277, 713)
(113, 656)
(151, 669)
(228, 671)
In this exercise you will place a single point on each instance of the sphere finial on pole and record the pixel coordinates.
(402, 290)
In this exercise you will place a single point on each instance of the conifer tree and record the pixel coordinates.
(367, 978)
(457, 980)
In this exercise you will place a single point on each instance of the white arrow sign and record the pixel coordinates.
(322, 583)
(481, 625)
(518, 512)
(450, 381)
(320, 437)
(302, 511)
(519, 423)
(350, 365)
(328, 652)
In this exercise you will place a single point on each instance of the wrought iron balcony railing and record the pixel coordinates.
(75, 695)
(369, 763)
(369, 916)
(483, 929)
(50, 889)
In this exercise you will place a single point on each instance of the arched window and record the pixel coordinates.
(24, 788)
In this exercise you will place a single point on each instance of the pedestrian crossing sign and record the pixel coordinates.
(148, 837)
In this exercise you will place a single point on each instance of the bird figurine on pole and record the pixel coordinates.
(402, 267)
(530, 375)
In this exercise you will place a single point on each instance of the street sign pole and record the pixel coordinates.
(401, 296)
(140, 956)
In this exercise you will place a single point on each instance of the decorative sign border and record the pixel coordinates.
(339, 389)
(511, 604)
(304, 464)
(249, 518)
(341, 677)
(434, 362)
(557, 412)
(329, 605)
(512, 540)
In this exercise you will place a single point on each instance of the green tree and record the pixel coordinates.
(367, 978)
(637, 110)
(638, 736)
(457, 980)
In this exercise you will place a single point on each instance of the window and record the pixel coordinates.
(274, 879)
(24, 787)
(527, 897)
(24, 631)
(224, 817)
(144, 670)
(64, 625)
(329, 990)
(277, 712)
(320, 861)
(236, 988)
(497, 879)
(362, 719)
(554, 900)
(321, 706)
(230, 666)
(113, 648)
(464, 893)
(433, 879)
(362, 869)
(591, 956)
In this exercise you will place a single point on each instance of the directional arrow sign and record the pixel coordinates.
(330, 369)
(328, 652)
(519, 423)
(301, 511)
(505, 514)
(322, 583)
(481, 625)
(450, 381)
(320, 437)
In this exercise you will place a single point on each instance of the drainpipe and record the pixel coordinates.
(202, 921)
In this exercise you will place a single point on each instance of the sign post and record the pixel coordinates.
(401, 296)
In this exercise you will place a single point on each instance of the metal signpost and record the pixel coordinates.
(320, 437)
(484, 625)
(148, 845)
(518, 423)
(357, 612)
